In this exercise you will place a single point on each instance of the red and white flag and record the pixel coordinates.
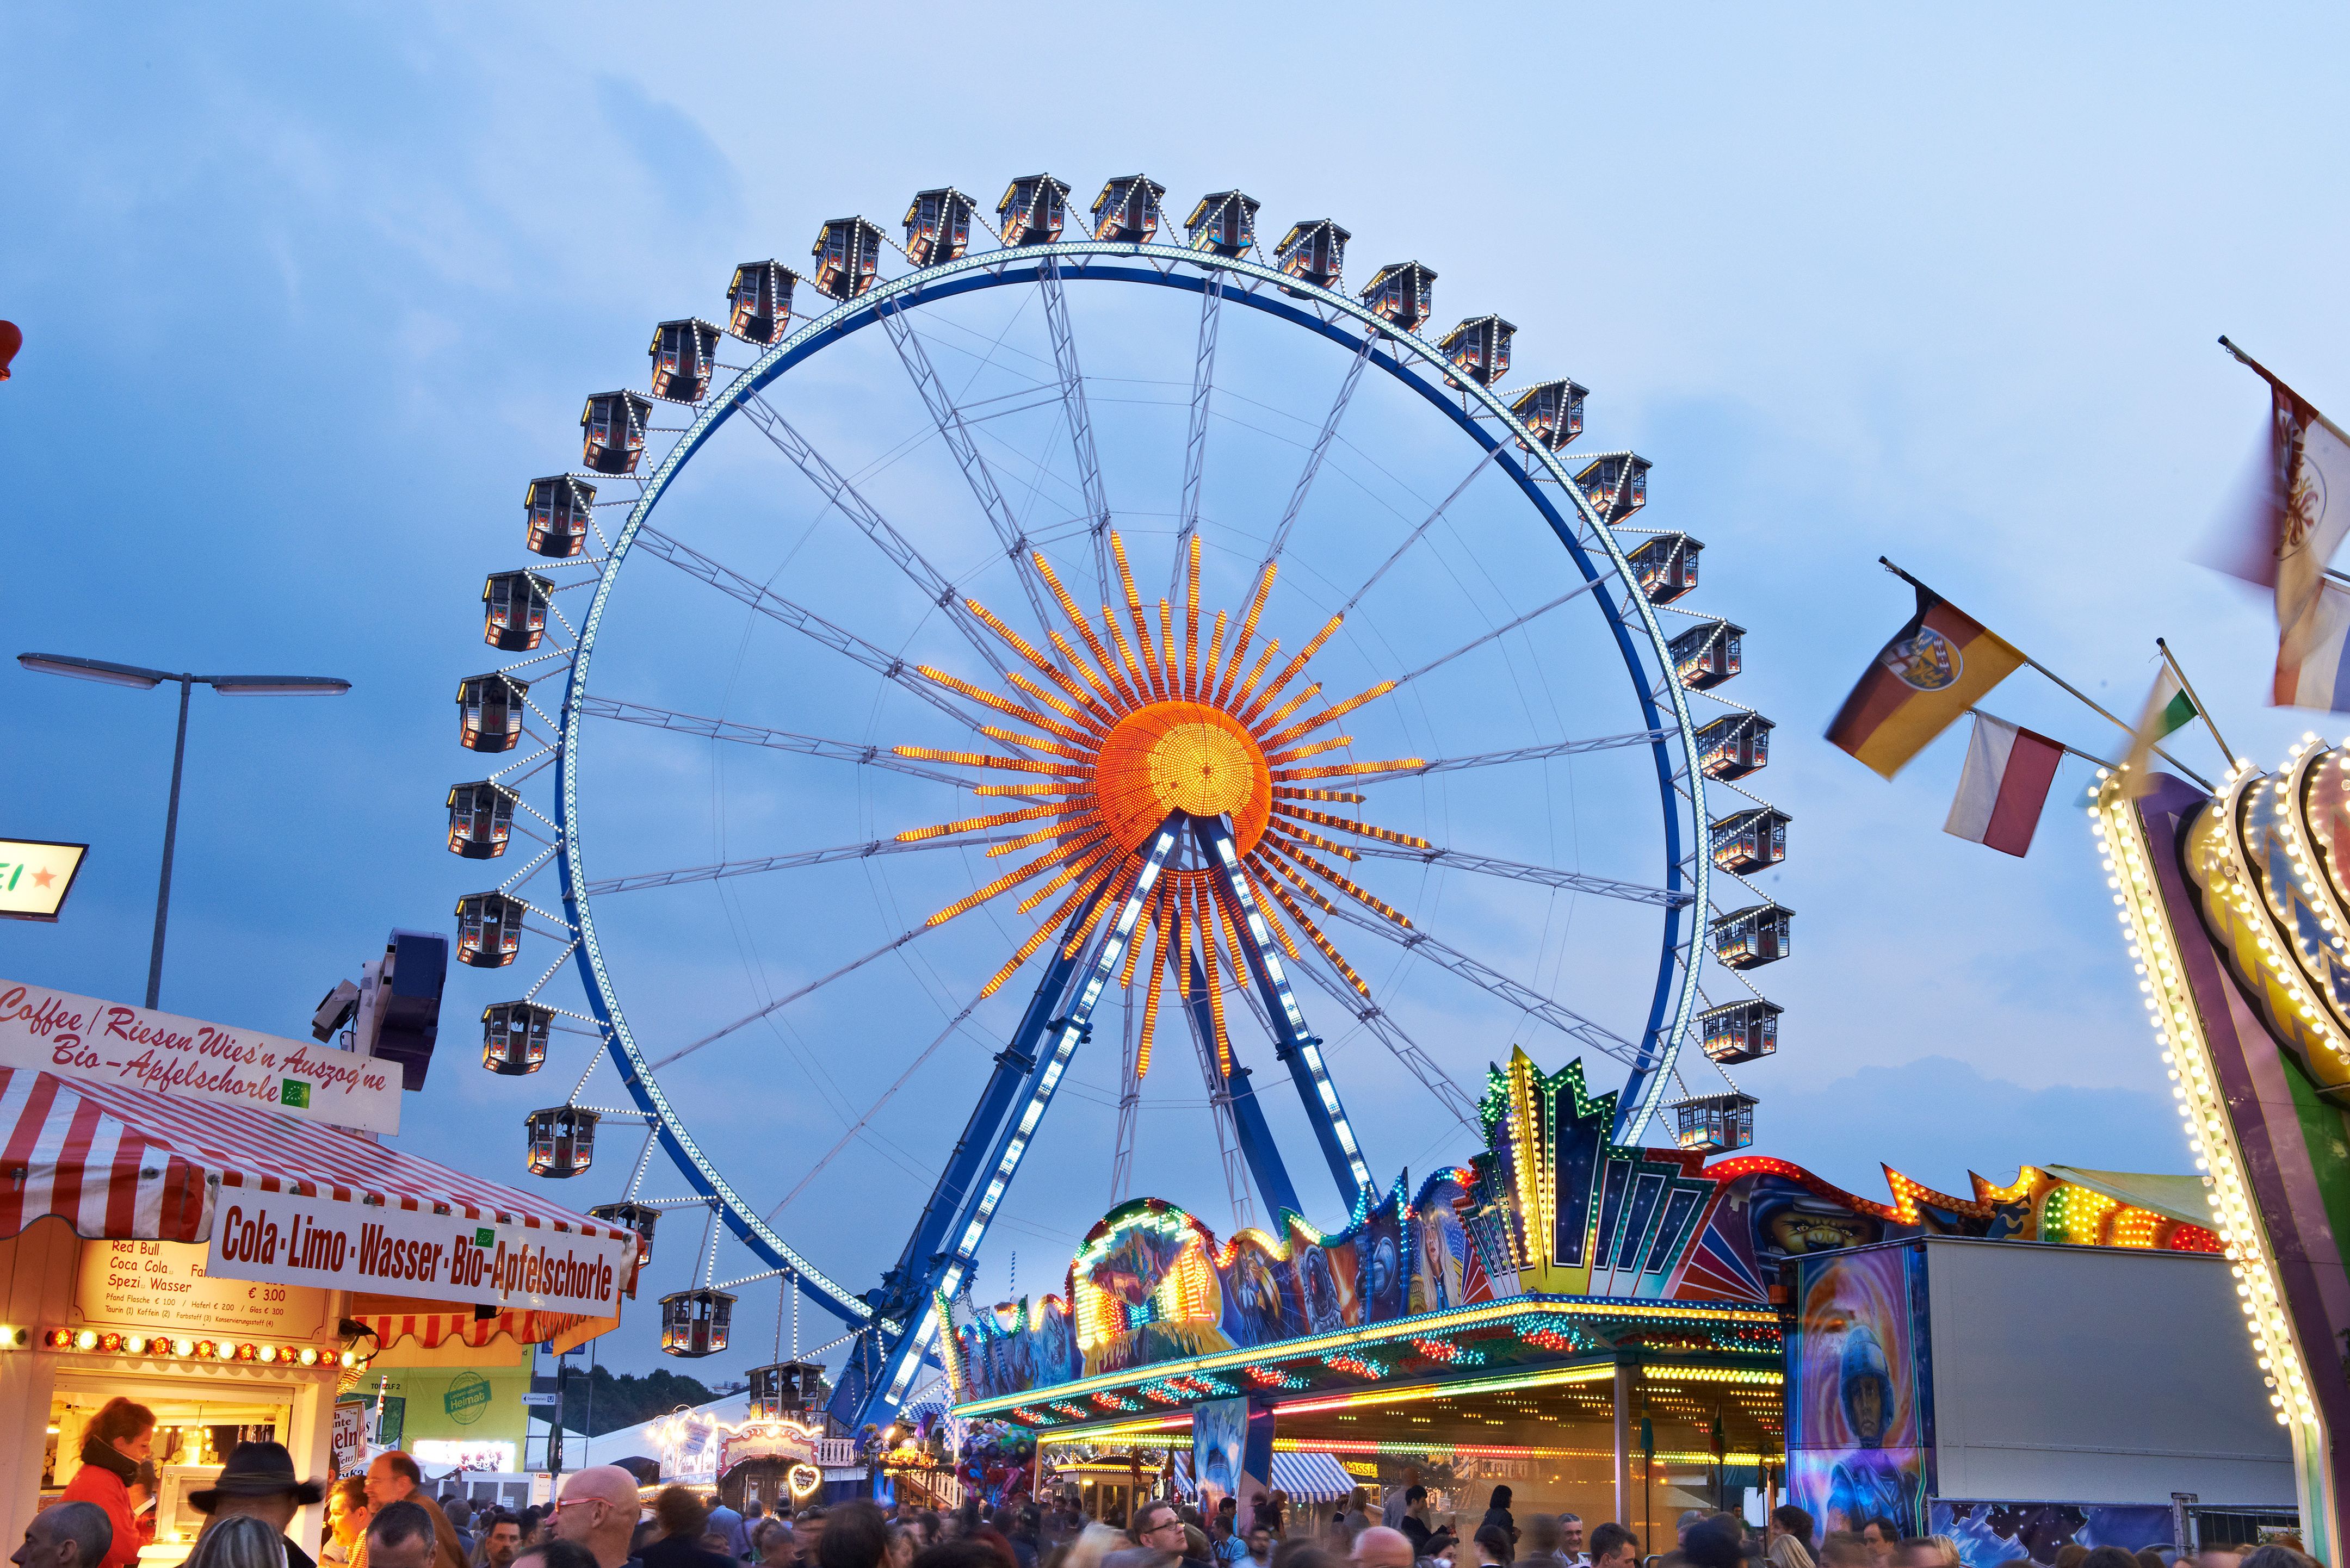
(2008, 771)
(2301, 525)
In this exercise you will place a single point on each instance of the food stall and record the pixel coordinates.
(203, 1221)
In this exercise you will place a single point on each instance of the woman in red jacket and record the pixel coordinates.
(118, 1440)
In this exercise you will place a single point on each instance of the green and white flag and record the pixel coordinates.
(2167, 710)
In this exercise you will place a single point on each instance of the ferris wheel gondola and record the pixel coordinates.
(1170, 810)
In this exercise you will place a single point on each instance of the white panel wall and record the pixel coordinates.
(2097, 1375)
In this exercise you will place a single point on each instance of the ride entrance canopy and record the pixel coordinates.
(1154, 671)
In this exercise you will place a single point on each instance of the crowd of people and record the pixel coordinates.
(389, 1519)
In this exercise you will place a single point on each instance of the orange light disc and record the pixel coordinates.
(1187, 757)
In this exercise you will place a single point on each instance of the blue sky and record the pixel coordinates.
(309, 293)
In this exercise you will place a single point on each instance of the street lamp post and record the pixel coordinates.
(146, 679)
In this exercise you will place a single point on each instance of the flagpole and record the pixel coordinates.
(2201, 712)
(2128, 730)
(2265, 374)
(2068, 751)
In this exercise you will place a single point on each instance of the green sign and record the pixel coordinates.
(468, 1397)
(294, 1092)
(484, 1237)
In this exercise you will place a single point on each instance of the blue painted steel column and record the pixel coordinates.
(1264, 1156)
(1301, 1052)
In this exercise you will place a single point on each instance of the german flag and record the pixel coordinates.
(1936, 668)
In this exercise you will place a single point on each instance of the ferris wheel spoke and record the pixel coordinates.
(1195, 440)
(767, 602)
(1320, 448)
(793, 862)
(1389, 1033)
(851, 967)
(956, 433)
(1546, 876)
(1557, 1014)
(597, 707)
(853, 506)
(1081, 425)
(1427, 522)
(1413, 767)
(1474, 643)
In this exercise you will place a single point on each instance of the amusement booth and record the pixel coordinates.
(202, 1220)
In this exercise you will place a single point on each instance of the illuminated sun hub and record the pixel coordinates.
(1113, 724)
(1187, 757)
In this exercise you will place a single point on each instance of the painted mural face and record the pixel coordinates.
(1789, 1222)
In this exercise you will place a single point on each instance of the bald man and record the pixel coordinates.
(1380, 1547)
(598, 1510)
(65, 1535)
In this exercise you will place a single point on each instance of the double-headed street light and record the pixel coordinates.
(144, 680)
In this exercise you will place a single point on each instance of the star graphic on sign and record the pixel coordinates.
(43, 878)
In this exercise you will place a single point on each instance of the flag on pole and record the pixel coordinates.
(2169, 708)
(2308, 464)
(1935, 668)
(2003, 786)
(2317, 673)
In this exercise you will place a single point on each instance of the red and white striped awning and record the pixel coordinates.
(128, 1163)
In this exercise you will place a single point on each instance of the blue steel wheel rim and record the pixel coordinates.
(1680, 786)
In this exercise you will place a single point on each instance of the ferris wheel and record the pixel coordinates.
(1214, 696)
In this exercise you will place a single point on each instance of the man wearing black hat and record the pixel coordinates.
(259, 1480)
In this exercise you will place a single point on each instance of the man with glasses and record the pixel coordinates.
(1159, 1539)
(598, 1510)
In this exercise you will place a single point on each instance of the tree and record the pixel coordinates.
(627, 1399)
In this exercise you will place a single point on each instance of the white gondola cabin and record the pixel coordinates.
(557, 509)
(1742, 1031)
(938, 225)
(514, 1037)
(1552, 412)
(1033, 208)
(513, 611)
(759, 301)
(1128, 209)
(696, 1323)
(1617, 485)
(1667, 567)
(1224, 223)
(684, 356)
(1480, 348)
(489, 930)
(1750, 840)
(1714, 1123)
(481, 819)
(490, 711)
(1402, 294)
(1708, 653)
(1734, 746)
(1313, 252)
(612, 431)
(1751, 937)
(638, 1218)
(561, 1140)
(846, 251)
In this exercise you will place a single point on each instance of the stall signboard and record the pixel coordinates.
(765, 1440)
(187, 1058)
(161, 1286)
(348, 1452)
(281, 1239)
(35, 875)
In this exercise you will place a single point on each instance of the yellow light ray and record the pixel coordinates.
(1001, 704)
(995, 819)
(1215, 652)
(1102, 690)
(1302, 834)
(1345, 770)
(1036, 789)
(1003, 884)
(1182, 949)
(1286, 792)
(1166, 637)
(1235, 961)
(1082, 718)
(1030, 840)
(1191, 624)
(1329, 715)
(1142, 927)
(1289, 671)
(1314, 934)
(982, 760)
(1248, 630)
(1092, 917)
(1367, 899)
(1347, 824)
(1310, 748)
(1272, 917)
(1051, 671)
(1134, 674)
(1255, 673)
(1085, 628)
(1080, 853)
(1207, 929)
(1286, 708)
(1033, 743)
(1134, 609)
(1150, 993)
(1028, 950)
(1260, 859)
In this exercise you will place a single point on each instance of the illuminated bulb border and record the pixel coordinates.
(2194, 1084)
